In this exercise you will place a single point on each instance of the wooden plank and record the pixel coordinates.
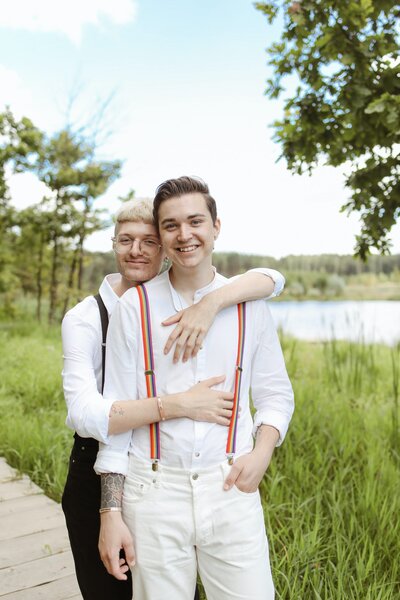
(65, 588)
(36, 573)
(30, 547)
(31, 521)
(18, 488)
(19, 505)
(6, 472)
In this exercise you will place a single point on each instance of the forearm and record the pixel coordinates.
(267, 437)
(249, 286)
(131, 414)
(112, 485)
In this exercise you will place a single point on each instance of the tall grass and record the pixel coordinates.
(331, 495)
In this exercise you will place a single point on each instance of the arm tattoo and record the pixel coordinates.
(112, 485)
(116, 409)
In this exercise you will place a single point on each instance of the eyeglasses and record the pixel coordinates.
(147, 247)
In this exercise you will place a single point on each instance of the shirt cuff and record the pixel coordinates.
(111, 461)
(92, 422)
(276, 277)
(275, 419)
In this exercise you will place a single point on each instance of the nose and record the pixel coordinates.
(135, 249)
(184, 232)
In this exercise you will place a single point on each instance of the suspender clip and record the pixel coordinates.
(149, 372)
(239, 368)
(230, 459)
(154, 466)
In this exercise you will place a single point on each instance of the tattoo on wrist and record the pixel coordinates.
(111, 490)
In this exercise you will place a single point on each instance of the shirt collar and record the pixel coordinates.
(107, 293)
(180, 303)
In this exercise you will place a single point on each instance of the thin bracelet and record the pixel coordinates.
(161, 409)
(110, 509)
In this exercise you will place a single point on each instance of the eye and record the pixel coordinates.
(124, 240)
(196, 222)
(150, 243)
(170, 226)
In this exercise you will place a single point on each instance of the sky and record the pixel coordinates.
(184, 84)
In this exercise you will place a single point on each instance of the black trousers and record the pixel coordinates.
(81, 503)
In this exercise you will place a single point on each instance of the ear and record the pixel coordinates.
(217, 228)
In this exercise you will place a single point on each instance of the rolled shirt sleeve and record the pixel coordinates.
(276, 277)
(87, 411)
(120, 381)
(271, 390)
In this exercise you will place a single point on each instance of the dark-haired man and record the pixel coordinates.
(195, 506)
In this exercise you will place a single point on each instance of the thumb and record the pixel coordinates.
(231, 478)
(214, 380)
(173, 319)
(129, 553)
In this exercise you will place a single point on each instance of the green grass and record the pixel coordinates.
(332, 494)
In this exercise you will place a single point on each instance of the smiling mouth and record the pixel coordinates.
(137, 262)
(187, 249)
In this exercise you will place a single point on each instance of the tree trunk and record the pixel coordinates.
(39, 280)
(53, 281)
(71, 278)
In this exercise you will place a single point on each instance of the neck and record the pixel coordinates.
(123, 286)
(187, 281)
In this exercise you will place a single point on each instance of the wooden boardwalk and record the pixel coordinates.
(35, 557)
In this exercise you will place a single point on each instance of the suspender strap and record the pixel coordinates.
(231, 441)
(149, 374)
(104, 327)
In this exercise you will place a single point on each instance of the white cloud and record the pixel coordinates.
(13, 93)
(67, 17)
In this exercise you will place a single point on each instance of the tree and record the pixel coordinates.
(20, 141)
(346, 108)
(68, 167)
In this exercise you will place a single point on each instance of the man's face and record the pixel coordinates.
(134, 263)
(187, 231)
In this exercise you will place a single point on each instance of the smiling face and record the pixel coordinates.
(134, 266)
(187, 231)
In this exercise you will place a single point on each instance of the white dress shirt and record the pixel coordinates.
(186, 443)
(88, 412)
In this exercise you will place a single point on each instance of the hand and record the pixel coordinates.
(247, 471)
(205, 404)
(192, 326)
(114, 536)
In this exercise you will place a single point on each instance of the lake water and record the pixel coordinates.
(371, 321)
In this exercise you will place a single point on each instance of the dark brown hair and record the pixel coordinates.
(173, 188)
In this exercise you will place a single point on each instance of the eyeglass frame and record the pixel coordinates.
(129, 247)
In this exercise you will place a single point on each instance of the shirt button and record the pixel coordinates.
(82, 447)
(197, 454)
(195, 476)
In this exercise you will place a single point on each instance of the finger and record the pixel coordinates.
(190, 344)
(172, 338)
(226, 395)
(214, 381)
(198, 345)
(130, 553)
(173, 319)
(113, 567)
(179, 346)
(232, 476)
(223, 421)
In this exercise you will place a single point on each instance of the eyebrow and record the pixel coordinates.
(165, 221)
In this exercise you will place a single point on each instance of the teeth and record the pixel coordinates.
(187, 249)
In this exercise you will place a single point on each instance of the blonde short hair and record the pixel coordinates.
(140, 210)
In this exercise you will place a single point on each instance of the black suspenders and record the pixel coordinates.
(104, 326)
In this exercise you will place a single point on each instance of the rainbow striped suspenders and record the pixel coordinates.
(149, 370)
(151, 377)
(231, 441)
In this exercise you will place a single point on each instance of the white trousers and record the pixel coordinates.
(183, 522)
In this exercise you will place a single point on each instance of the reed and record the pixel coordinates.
(331, 496)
